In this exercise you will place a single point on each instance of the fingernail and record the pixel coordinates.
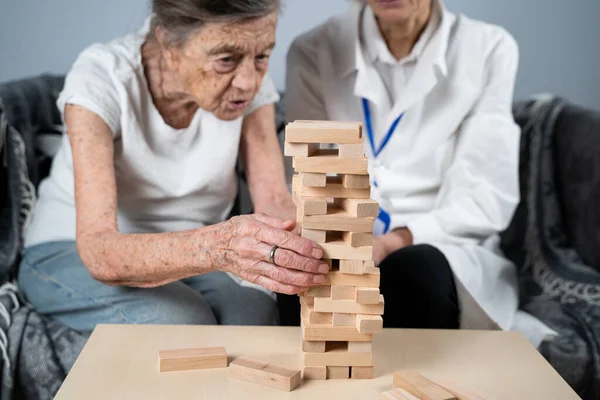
(319, 279)
(317, 252)
(323, 268)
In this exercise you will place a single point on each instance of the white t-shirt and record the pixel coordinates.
(167, 179)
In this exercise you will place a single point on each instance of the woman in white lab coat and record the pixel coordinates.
(434, 90)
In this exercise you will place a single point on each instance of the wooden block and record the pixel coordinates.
(339, 319)
(319, 291)
(338, 220)
(369, 323)
(358, 207)
(371, 269)
(314, 317)
(460, 391)
(342, 279)
(340, 250)
(314, 373)
(314, 235)
(397, 394)
(313, 347)
(420, 387)
(362, 372)
(367, 295)
(332, 333)
(333, 189)
(338, 357)
(343, 292)
(310, 206)
(360, 347)
(354, 267)
(191, 359)
(357, 239)
(356, 181)
(338, 372)
(265, 374)
(300, 149)
(314, 180)
(326, 161)
(323, 132)
(310, 300)
(325, 305)
(351, 150)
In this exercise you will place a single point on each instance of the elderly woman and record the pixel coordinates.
(434, 91)
(131, 225)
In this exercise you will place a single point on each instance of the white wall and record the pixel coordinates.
(558, 38)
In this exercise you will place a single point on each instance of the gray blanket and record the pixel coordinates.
(557, 286)
(36, 353)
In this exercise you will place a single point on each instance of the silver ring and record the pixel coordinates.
(272, 255)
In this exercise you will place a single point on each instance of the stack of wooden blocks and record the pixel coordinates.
(332, 194)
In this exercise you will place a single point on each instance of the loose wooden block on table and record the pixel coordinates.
(330, 333)
(337, 219)
(342, 279)
(356, 181)
(351, 150)
(265, 374)
(326, 161)
(420, 387)
(300, 149)
(326, 305)
(338, 249)
(397, 394)
(313, 180)
(360, 347)
(323, 132)
(190, 359)
(358, 239)
(333, 189)
(369, 323)
(362, 372)
(359, 207)
(339, 292)
(316, 236)
(338, 372)
(367, 295)
(339, 319)
(313, 347)
(315, 373)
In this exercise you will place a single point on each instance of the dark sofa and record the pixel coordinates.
(553, 238)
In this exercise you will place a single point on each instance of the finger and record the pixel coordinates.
(289, 259)
(290, 241)
(278, 287)
(272, 284)
(287, 275)
(273, 221)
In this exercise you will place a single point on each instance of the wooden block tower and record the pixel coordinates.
(332, 193)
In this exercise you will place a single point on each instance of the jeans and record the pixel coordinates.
(55, 281)
(418, 288)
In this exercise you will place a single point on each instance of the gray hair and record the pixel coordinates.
(182, 18)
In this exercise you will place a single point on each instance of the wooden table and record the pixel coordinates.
(121, 362)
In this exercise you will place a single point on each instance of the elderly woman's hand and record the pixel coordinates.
(244, 246)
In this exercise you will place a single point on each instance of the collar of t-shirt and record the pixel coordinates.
(395, 73)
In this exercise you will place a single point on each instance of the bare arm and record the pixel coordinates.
(145, 260)
(263, 162)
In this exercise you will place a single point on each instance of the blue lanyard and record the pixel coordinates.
(370, 135)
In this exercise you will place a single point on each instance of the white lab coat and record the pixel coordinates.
(449, 172)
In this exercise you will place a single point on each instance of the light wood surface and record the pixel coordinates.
(119, 362)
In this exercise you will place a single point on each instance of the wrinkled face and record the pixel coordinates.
(222, 65)
(398, 10)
